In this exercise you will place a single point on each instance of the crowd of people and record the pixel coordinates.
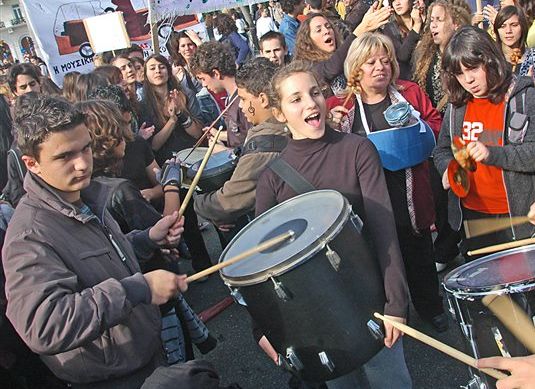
(92, 294)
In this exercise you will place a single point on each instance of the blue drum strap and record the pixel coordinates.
(291, 176)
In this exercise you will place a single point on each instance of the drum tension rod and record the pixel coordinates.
(333, 258)
(282, 292)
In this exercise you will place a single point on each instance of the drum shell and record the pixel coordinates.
(476, 321)
(213, 178)
(328, 310)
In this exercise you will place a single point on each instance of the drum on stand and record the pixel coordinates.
(510, 273)
(313, 295)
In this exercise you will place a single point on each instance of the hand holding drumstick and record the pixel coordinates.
(522, 371)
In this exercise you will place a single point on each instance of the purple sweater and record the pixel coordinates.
(349, 164)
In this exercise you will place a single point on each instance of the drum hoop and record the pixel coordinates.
(511, 288)
(297, 259)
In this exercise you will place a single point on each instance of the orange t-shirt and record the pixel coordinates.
(484, 122)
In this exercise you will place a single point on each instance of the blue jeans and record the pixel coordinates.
(385, 370)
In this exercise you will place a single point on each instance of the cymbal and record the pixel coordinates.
(459, 179)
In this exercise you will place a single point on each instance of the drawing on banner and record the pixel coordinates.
(71, 36)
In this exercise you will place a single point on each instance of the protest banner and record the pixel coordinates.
(58, 28)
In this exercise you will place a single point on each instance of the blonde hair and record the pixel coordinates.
(360, 51)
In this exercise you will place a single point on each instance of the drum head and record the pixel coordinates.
(315, 218)
(494, 272)
(216, 163)
(196, 155)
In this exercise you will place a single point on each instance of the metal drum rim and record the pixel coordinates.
(504, 288)
(298, 258)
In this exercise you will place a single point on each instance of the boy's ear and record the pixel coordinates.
(31, 164)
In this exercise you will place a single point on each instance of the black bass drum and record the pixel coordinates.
(313, 295)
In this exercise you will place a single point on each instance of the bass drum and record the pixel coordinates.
(510, 273)
(313, 295)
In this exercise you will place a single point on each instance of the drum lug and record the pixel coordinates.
(375, 330)
(293, 360)
(282, 292)
(325, 361)
(357, 221)
(475, 383)
(333, 258)
(451, 310)
(236, 295)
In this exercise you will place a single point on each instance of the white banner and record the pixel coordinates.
(163, 9)
(58, 28)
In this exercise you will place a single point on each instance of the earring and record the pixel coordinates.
(251, 109)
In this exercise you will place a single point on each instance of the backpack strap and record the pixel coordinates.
(265, 144)
(291, 176)
(17, 157)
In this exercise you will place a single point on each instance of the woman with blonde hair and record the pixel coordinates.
(372, 72)
(69, 85)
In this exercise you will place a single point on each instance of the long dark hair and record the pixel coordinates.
(173, 44)
(473, 47)
(305, 48)
(528, 6)
(154, 104)
(504, 15)
(225, 24)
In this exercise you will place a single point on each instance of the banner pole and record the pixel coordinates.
(153, 30)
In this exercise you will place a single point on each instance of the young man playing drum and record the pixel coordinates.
(215, 66)
(230, 207)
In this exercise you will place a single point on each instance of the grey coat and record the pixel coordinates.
(75, 293)
(516, 157)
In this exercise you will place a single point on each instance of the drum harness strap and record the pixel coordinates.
(265, 144)
(301, 185)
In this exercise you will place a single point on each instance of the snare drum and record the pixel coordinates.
(313, 295)
(510, 273)
(196, 155)
(217, 171)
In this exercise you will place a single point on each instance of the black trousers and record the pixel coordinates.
(446, 241)
(478, 242)
(193, 237)
(417, 253)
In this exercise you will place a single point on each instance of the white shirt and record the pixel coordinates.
(264, 25)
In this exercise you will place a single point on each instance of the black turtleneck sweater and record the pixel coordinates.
(349, 164)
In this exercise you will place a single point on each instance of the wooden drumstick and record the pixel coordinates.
(452, 352)
(240, 257)
(502, 246)
(203, 136)
(513, 317)
(198, 175)
(478, 227)
(479, 9)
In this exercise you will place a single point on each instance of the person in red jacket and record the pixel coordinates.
(372, 72)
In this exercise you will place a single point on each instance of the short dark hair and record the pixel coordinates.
(112, 93)
(255, 76)
(507, 13)
(212, 56)
(26, 69)
(133, 49)
(288, 6)
(272, 35)
(225, 24)
(38, 116)
(473, 47)
(316, 4)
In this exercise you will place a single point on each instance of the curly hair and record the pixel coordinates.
(504, 15)
(37, 116)
(69, 84)
(295, 67)
(360, 51)
(426, 50)
(112, 93)
(255, 76)
(108, 129)
(305, 48)
(473, 48)
(211, 56)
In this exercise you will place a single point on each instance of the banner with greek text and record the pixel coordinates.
(58, 28)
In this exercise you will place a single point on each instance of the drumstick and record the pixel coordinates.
(203, 136)
(452, 352)
(349, 95)
(240, 257)
(479, 9)
(513, 317)
(198, 175)
(501, 246)
(478, 227)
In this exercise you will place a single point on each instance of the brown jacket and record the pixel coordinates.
(73, 297)
(237, 197)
